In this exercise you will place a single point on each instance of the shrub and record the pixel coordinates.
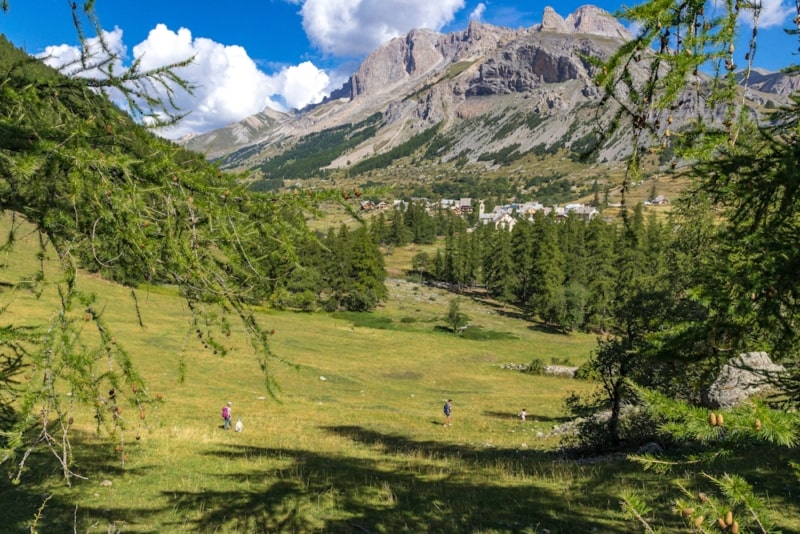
(587, 372)
(537, 367)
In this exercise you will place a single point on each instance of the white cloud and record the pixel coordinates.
(303, 84)
(229, 85)
(357, 27)
(773, 13)
(67, 58)
(477, 13)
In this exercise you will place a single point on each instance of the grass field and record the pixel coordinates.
(353, 440)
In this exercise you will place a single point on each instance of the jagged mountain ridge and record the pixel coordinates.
(532, 85)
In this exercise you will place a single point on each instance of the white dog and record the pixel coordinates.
(239, 426)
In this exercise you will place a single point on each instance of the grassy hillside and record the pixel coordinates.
(353, 440)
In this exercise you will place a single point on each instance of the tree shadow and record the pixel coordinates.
(547, 329)
(505, 416)
(411, 486)
(368, 497)
(98, 461)
(532, 417)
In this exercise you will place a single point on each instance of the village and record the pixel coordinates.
(501, 216)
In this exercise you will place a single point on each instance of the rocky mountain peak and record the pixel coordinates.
(586, 19)
(553, 22)
(595, 21)
(490, 89)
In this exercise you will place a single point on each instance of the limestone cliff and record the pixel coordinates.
(487, 88)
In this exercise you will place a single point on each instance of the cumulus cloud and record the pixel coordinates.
(357, 27)
(773, 13)
(228, 84)
(67, 58)
(303, 84)
(477, 13)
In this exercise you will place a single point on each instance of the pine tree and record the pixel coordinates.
(522, 251)
(366, 272)
(399, 234)
(420, 224)
(379, 230)
(601, 273)
(736, 295)
(548, 298)
(499, 269)
(572, 242)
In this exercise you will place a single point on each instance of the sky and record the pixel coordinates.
(286, 54)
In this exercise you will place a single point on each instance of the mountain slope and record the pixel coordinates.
(495, 95)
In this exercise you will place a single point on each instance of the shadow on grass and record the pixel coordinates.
(547, 329)
(368, 497)
(412, 486)
(98, 461)
(415, 486)
(532, 417)
(505, 416)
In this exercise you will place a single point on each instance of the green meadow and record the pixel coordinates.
(352, 439)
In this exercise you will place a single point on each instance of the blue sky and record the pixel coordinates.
(289, 53)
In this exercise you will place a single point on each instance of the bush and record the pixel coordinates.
(587, 372)
(591, 435)
(537, 367)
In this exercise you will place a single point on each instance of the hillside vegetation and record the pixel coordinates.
(352, 440)
(143, 288)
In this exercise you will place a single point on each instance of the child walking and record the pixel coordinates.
(226, 416)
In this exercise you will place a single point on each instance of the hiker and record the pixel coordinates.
(239, 425)
(226, 416)
(448, 406)
(523, 414)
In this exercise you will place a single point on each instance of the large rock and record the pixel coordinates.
(553, 22)
(595, 21)
(742, 377)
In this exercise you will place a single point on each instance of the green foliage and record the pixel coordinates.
(513, 121)
(107, 196)
(318, 150)
(732, 249)
(476, 187)
(438, 146)
(587, 371)
(365, 320)
(456, 320)
(635, 508)
(553, 188)
(401, 151)
(477, 333)
(352, 270)
(504, 156)
(730, 497)
(753, 420)
(533, 120)
(537, 367)
(585, 148)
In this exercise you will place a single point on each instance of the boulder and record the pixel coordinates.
(742, 377)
